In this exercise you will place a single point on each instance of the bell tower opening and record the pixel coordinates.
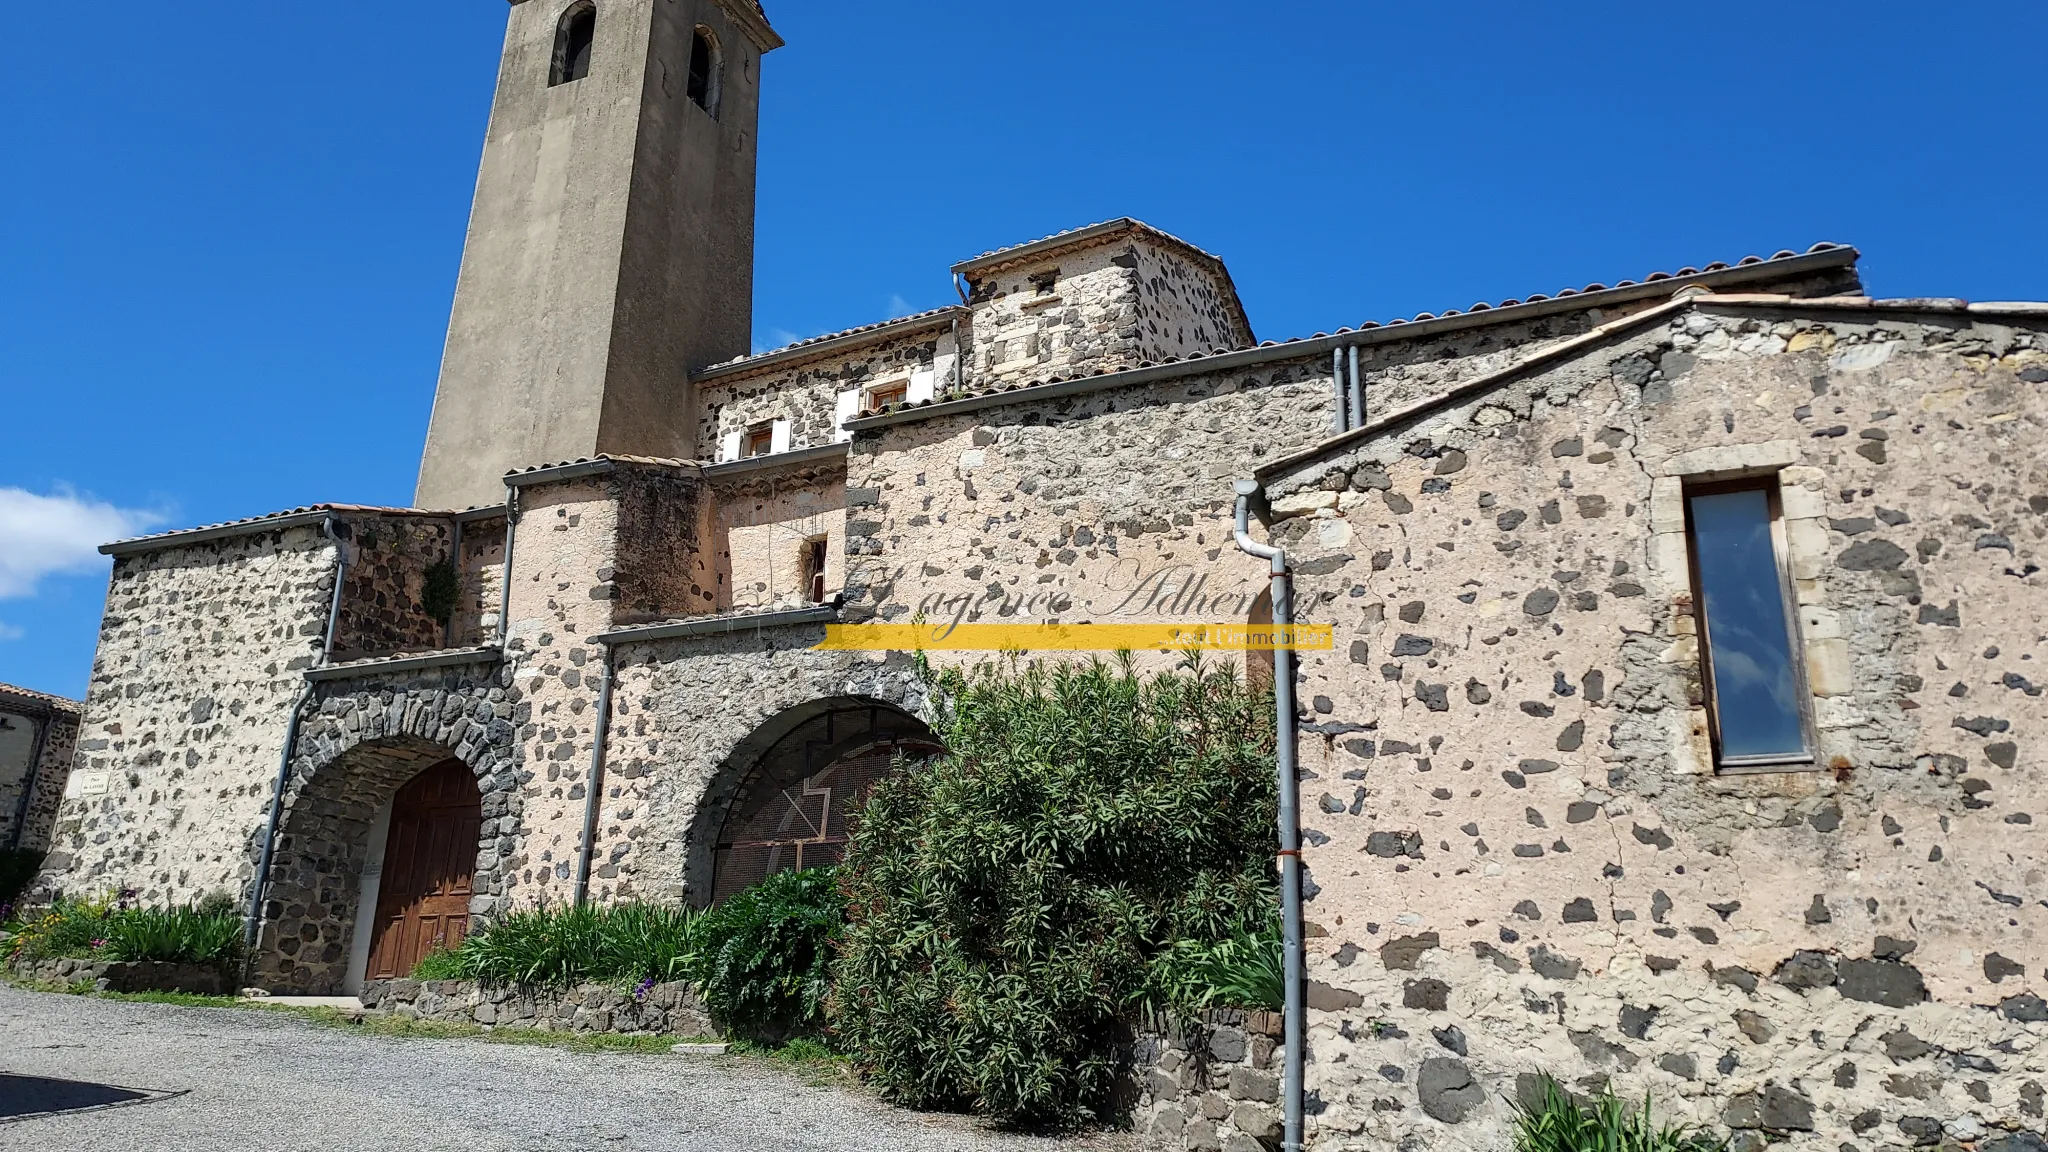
(574, 39)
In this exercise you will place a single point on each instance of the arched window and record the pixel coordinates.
(574, 37)
(704, 69)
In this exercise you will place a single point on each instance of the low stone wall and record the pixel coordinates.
(1209, 1085)
(130, 976)
(661, 1010)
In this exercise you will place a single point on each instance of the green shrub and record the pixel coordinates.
(109, 928)
(1008, 902)
(443, 964)
(195, 935)
(559, 947)
(1556, 1121)
(543, 946)
(1245, 972)
(763, 957)
(18, 869)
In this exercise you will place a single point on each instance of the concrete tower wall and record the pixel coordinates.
(610, 246)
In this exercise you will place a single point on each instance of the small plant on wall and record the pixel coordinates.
(1090, 839)
(441, 590)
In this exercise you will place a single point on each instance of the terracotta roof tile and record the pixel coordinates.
(12, 694)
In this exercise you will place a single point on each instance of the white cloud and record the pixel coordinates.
(9, 632)
(899, 307)
(50, 535)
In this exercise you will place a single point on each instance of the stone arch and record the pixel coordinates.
(707, 70)
(806, 742)
(361, 745)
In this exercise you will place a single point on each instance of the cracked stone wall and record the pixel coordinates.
(37, 742)
(200, 656)
(1521, 859)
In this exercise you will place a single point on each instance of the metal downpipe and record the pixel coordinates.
(592, 801)
(505, 581)
(261, 884)
(1357, 393)
(1341, 422)
(1285, 752)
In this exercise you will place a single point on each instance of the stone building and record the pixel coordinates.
(38, 737)
(1564, 812)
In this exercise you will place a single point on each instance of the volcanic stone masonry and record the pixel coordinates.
(1522, 856)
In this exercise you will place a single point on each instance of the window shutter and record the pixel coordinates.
(729, 447)
(778, 437)
(846, 409)
(922, 384)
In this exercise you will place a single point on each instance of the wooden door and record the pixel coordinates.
(429, 869)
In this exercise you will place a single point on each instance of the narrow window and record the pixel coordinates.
(574, 37)
(760, 440)
(893, 392)
(1749, 641)
(704, 72)
(814, 568)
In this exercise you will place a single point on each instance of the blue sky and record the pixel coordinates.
(230, 242)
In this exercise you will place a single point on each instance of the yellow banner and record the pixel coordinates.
(943, 637)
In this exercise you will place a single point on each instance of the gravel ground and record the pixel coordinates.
(267, 1081)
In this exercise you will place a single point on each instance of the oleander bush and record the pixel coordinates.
(1557, 1121)
(1089, 842)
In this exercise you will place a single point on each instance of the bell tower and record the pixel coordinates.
(611, 242)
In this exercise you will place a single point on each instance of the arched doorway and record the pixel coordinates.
(429, 872)
(814, 767)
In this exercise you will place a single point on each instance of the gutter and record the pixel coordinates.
(261, 883)
(1319, 346)
(721, 625)
(816, 454)
(1286, 738)
(330, 672)
(826, 345)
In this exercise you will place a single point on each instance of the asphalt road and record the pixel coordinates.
(150, 1076)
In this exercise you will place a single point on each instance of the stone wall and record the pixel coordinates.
(201, 654)
(1068, 314)
(130, 976)
(807, 392)
(1185, 306)
(690, 717)
(662, 565)
(658, 1010)
(367, 734)
(381, 609)
(1209, 1085)
(38, 738)
(1521, 858)
(766, 525)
